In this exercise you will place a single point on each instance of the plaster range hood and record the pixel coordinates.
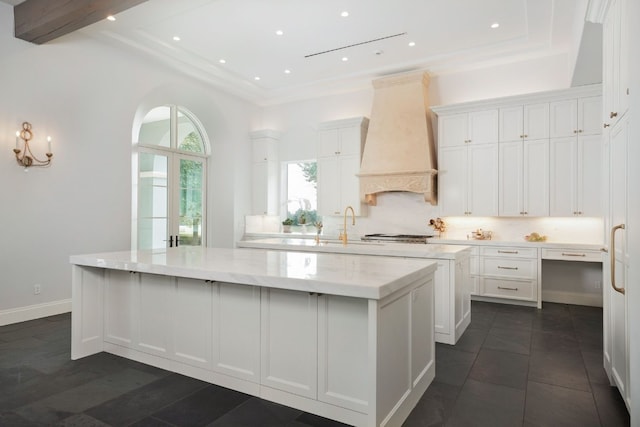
(399, 153)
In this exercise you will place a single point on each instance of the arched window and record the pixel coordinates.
(171, 180)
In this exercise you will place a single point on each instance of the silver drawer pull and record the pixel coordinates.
(570, 254)
(507, 289)
(507, 252)
(507, 268)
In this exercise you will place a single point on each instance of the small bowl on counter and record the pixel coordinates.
(535, 237)
(481, 234)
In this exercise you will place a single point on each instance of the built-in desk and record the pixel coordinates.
(528, 273)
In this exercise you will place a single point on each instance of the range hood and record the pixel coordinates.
(399, 153)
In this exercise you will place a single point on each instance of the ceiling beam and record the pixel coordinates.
(40, 21)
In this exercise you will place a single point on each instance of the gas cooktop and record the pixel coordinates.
(397, 238)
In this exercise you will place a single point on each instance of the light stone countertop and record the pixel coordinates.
(522, 243)
(409, 250)
(328, 273)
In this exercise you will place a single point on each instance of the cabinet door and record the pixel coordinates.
(443, 303)
(236, 330)
(328, 143)
(482, 187)
(452, 181)
(259, 194)
(563, 176)
(350, 141)
(589, 115)
(343, 352)
(511, 124)
(510, 176)
(453, 130)
(289, 336)
(349, 186)
(329, 186)
(483, 127)
(590, 179)
(154, 303)
(119, 307)
(563, 118)
(536, 177)
(536, 121)
(191, 304)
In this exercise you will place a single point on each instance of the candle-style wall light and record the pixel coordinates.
(28, 159)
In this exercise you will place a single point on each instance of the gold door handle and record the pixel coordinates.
(612, 245)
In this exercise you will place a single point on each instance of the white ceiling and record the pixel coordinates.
(449, 35)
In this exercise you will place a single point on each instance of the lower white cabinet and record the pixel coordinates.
(509, 272)
(191, 309)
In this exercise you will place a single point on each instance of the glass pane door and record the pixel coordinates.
(153, 202)
(190, 197)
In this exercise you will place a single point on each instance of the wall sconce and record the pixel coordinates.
(28, 159)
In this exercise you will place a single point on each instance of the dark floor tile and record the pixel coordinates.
(552, 341)
(81, 420)
(565, 369)
(558, 323)
(312, 420)
(501, 367)
(549, 405)
(55, 407)
(257, 412)
(611, 407)
(151, 422)
(435, 406)
(478, 307)
(482, 320)
(202, 407)
(513, 340)
(514, 320)
(472, 340)
(452, 366)
(11, 419)
(140, 403)
(594, 364)
(554, 308)
(481, 404)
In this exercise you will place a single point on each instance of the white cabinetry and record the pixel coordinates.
(468, 180)
(192, 314)
(265, 174)
(509, 272)
(478, 127)
(576, 158)
(524, 122)
(340, 145)
(616, 70)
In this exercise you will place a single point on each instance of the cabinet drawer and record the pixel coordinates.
(572, 255)
(514, 268)
(513, 289)
(511, 252)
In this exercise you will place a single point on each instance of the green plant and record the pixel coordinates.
(287, 221)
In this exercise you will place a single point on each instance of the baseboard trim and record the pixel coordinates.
(594, 300)
(32, 312)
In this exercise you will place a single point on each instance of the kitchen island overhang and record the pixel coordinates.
(345, 337)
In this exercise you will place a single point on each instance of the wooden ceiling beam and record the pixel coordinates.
(40, 21)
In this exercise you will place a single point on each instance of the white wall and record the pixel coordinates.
(88, 97)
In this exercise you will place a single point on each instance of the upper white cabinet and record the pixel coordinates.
(615, 76)
(524, 122)
(340, 145)
(575, 117)
(478, 127)
(468, 180)
(265, 173)
(576, 178)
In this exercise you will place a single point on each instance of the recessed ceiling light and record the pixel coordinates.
(287, 71)
(344, 14)
(256, 78)
(412, 44)
(222, 61)
(111, 18)
(345, 59)
(279, 32)
(176, 38)
(495, 25)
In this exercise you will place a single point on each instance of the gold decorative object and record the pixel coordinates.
(343, 236)
(438, 225)
(318, 226)
(481, 234)
(28, 159)
(535, 237)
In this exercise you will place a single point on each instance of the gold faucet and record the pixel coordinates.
(343, 235)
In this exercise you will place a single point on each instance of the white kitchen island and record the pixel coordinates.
(452, 279)
(346, 337)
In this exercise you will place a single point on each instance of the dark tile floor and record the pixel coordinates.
(514, 366)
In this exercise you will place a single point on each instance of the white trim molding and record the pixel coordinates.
(37, 311)
(597, 11)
